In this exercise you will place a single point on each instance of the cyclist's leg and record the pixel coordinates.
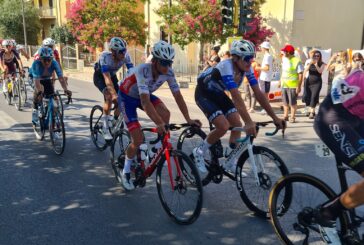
(114, 79)
(161, 108)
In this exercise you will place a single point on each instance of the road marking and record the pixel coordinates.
(7, 123)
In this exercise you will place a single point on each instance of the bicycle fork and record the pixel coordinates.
(255, 163)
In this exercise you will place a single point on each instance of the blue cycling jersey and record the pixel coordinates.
(108, 64)
(40, 72)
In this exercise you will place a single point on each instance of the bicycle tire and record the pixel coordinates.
(40, 127)
(59, 102)
(189, 216)
(96, 128)
(251, 194)
(23, 91)
(8, 97)
(190, 133)
(117, 152)
(277, 211)
(16, 95)
(56, 130)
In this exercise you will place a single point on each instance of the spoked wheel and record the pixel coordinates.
(181, 197)
(39, 127)
(16, 96)
(57, 132)
(270, 168)
(189, 139)
(59, 103)
(117, 152)
(96, 126)
(23, 91)
(295, 223)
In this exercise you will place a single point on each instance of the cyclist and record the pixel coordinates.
(340, 125)
(20, 49)
(42, 70)
(8, 58)
(222, 111)
(105, 78)
(136, 92)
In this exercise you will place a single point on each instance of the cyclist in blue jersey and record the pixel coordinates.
(105, 78)
(42, 71)
(222, 111)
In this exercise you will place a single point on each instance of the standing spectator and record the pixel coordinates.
(266, 70)
(357, 62)
(225, 55)
(338, 64)
(214, 58)
(249, 94)
(291, 81)
(313, 83)
(304, 96)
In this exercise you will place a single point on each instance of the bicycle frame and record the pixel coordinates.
(49, 113)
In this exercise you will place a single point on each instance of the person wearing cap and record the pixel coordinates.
(214, 57)
(291, 81)
(266, 72)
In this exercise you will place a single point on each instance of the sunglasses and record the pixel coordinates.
(317, 56)
(247, 58)
(339, 62)
(357, 60)
(165, 63)
(47, 60)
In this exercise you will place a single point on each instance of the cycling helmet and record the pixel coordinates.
(242, 48)
(6, 42)
(117, 43)
(45, 52)
(163, 51)
(13, 42)
(48, 42)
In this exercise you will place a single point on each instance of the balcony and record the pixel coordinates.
(47, 13)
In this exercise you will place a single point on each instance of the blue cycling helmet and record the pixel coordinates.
(45, 52)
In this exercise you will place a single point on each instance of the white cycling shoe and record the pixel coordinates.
(199, 160)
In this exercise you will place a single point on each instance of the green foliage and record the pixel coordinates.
(62, 35)
(11, 21)
(257, 5)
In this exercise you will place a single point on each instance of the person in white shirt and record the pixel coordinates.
(266, 72)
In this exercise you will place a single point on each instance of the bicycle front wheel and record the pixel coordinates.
(59, 103)
(57, 132)
(96, 126)
(179, 190)
(16, 96)
(118, 147)
(269, 168)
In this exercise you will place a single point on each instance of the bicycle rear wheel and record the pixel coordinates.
(57, 132)
(96, 126)
(16, 95)
(181, 196)
(270, 168)
(117, 152)
(295, 224)
(23, 91)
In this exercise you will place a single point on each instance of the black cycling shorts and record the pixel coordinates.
(213, 104)
(99, 81)
(342, 132)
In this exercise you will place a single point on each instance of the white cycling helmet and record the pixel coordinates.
(117, 43)
(6, 42)
(45, 52)
(13, 42)
(242, 48)
(163, 50)
(48, 42)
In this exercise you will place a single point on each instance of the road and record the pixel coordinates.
(74, 198)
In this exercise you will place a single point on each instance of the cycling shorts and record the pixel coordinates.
(99, 81)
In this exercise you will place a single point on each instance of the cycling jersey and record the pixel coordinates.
(10, 62)
(106, 63)
(39, 72)
(221, 77)
(141, 81)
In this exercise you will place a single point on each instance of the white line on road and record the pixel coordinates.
(7, 123)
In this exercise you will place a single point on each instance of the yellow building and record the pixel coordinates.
(325, 24)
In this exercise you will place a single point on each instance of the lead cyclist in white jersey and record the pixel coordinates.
(136, 92)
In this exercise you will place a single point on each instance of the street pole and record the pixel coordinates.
(24, 27)
(169, 33)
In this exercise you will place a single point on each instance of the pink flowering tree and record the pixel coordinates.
(94, 22)
(259, 33)
(194, 21)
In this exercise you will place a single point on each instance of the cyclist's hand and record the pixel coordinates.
(68, 93)
(161, 128)
(280, 124)
(194, 122)
(250, 129)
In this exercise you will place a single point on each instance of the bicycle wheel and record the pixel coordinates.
(294, 224)
(40, 127)
(16, 95)
(96, 126)
(189, 139)
(23, 91)
(270, 168)
(57, 132)
(117, 152)
(180, 198)
(59, 103)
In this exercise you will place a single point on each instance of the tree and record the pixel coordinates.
(194, 21)
(11, 21)
(94, 22)
(259, 33)
(62, 35)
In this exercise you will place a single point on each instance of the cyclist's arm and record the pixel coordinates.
(19, 60)
(25, 54)
(181, 105)
(38, 86)
(109, 83)
(150, 110)
(59, 73)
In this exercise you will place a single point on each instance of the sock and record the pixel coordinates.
(332, 209)
(205, 146)
(127, 165)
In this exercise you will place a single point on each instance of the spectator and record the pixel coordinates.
(313, 83)
(357, 62)
(265, 70)
(307, 63)
(214, 57)
(291, 81)
(338, 64)
(225, 55)
(249, 94)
